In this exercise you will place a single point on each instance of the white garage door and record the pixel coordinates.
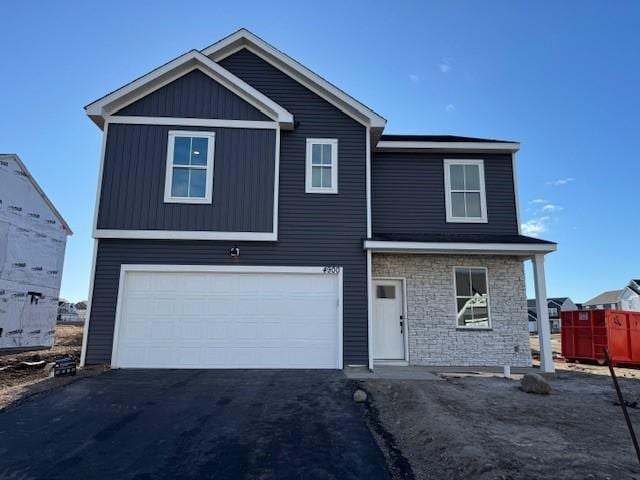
(272, 318)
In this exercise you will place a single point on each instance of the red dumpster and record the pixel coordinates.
(586, 333)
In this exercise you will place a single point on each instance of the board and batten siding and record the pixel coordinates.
(133, 183)
(314, 229)
(194, 95)
(408, 194)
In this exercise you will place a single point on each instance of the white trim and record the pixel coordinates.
(54, 210)
(245, 39)
(382, 246)
(447, 163)
(276, 184)
(455, 298)
(405, 318)
(368, 180)
(168, 177)
(499, 147)
(515, 191)
(175, 69)
(309, 188)
(185, 235)
(191, 122)
(87, 318)
(124, 268)
(370, 308)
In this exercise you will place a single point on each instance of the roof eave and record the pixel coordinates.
(519, 249)
(452, 147)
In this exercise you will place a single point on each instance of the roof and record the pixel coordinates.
(55, 211)
(458, 238)
(531, 302)
(174, 69)
(243, 38)
(610, 296)
(437, 138)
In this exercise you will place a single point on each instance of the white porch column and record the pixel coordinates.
(544, 332)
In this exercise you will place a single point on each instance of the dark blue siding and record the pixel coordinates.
(132, 195)
(194, 95)
(313, 229)
(409, 195)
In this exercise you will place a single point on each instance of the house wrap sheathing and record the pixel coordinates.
(33, 237)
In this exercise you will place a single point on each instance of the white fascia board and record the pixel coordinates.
(192, 122)
(243, 38)
(176, 68)
(186, 235)
(488, 147)
(24, 169)
(381, 246)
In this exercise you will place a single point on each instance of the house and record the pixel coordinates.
(33, 237)
(250, 214)
(608, 300)
(626, 299)
(81, 310)
(554, 307)
(67, 312)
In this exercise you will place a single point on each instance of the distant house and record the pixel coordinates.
(555, 306)
(608, 300)
(81, 310)
(33, 236)
(630, 296)
(66, 312)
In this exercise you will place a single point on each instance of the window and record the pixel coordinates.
(189, 177)
(553, 312)
(322, 165)
(465, 194)
(472, 297)
(386, 291)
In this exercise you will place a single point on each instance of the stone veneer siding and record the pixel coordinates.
(431, 310)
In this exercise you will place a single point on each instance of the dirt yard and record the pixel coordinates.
(482, 427)
(18, 380)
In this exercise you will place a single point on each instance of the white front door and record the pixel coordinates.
(389, 323)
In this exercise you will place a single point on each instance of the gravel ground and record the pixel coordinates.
(17, 383)
(482, 428)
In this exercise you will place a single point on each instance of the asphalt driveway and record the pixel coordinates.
(168, 424)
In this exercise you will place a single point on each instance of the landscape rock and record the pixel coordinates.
(360, 396)
(534, 383)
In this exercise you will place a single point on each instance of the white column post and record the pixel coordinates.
(544, 332)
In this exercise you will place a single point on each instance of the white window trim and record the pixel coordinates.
(447, 187)
(211, 136)
(309, 188)
(455, 298)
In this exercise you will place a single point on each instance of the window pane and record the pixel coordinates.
(180, 182)
(316, 177)
(457, 177)
(465, 313)
(478, 281)
(326, 177)
(473, 204)
(326, 154)
(472, 177)
(316, 154)
(457, 204)
(386, 291)
(198, 183)
(463, 287)
(181, 148)
(199, 151)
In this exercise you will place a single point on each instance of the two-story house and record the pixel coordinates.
(250, 214)
(555, 306)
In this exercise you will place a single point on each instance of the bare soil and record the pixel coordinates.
(18, 381)
(481, 427)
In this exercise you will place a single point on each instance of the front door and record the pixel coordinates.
(389, 323)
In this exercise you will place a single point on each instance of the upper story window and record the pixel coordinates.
(553, 312)
(472, 297)
(189, 177)
(465, 193)
(322, 165)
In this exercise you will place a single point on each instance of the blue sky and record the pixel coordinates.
(560, 77)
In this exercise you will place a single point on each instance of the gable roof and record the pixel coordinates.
(611, 296)
(243, 38)
(438, 138)
(23, 167)
(635, 285)
(174, 69)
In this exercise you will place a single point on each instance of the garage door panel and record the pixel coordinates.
(228, 320)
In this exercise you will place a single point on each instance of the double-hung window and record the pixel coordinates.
(189, 177)
(465, 192)
(322, 165)
(472, 297)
